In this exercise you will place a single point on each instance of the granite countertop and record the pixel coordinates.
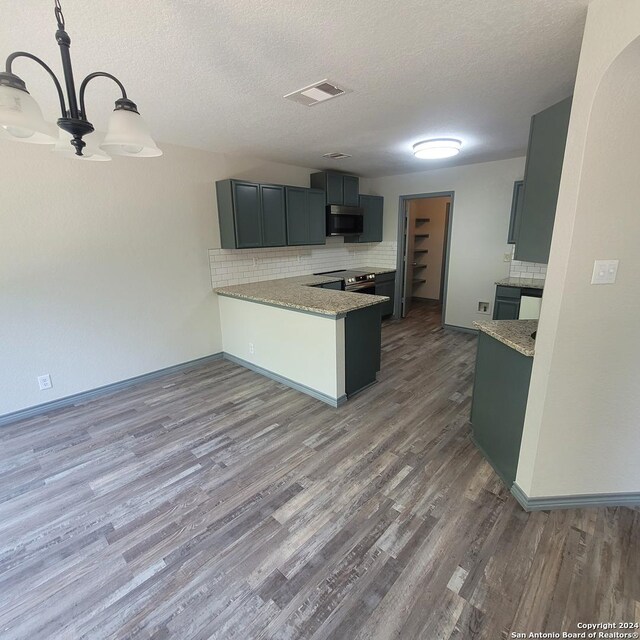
(524, 283)
(514, 333)
(301, 293)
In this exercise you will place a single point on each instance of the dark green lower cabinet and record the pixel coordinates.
(499, 403)
(506, 309)
(507, 303)
(363, 344)
(386, 286)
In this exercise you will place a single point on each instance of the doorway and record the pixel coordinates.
(424, 238)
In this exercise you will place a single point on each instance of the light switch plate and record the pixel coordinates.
(604, 272)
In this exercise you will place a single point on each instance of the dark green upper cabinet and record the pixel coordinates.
(317, 217)
(339, 188)
(297, 217)
(333, 184)
(516, 211)
(547, 140)
(274, 225)
(305, 216)
(251, 215)
(372, 207)
(351, 186)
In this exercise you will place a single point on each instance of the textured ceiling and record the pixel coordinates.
(212, 74)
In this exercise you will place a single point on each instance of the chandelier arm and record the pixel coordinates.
(24, 54)
(91, 76)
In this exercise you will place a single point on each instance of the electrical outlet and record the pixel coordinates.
(44, 382)
(507, 257)
(252, 348)
(483, 307)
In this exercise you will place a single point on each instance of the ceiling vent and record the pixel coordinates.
(316, 93)
(336, 155)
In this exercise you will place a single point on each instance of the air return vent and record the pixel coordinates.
(317, 92)
(336, 155)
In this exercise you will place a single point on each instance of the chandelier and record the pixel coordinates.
(21, 118)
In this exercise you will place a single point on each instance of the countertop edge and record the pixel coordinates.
(325, 313)
(529, 352)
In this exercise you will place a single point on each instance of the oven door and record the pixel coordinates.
(363, 287)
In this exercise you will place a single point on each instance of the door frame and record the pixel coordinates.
(402, 213)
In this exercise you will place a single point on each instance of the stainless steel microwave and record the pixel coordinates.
(344, 221)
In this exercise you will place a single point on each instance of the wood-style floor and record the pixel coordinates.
(216, 503)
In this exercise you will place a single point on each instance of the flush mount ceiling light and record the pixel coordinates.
(21, 119)
(437, 148)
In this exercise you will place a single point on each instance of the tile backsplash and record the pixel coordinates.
(240, 266)
(520, 269)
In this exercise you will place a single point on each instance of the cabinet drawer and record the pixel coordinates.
(508, 292)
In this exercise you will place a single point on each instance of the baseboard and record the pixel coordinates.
(286, 381)
(575, 502)
(84, 396)
(455, 327)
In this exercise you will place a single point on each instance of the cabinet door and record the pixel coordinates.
(334, 188)
(386, 289)
(372, 223)
(317, 217)
(516, 211)
(274, 226)
(297, 215)
(547, 140)
(506, 309)
(350, 188)
(246, 203)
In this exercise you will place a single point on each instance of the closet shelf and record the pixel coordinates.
(421, 251)
(418, 281)
(423, 219)
(421, 235)
(420, 266)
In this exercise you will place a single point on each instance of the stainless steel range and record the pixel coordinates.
(354, 281)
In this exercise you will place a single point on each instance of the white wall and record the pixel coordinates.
(582, 427)
(104, 267)
(480, 218)
(282, 344)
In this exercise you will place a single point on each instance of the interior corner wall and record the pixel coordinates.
(480, 225)
(582, 433)
(104, 267)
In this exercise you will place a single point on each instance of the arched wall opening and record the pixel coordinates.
(589, 431)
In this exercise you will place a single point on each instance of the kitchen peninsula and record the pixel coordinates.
(304, 333)
(501, 388)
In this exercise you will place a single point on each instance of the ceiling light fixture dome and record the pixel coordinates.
(21, 118)
(437, 148)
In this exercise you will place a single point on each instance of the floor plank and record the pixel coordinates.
(215, 503)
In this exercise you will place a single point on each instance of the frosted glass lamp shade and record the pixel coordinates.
(128, 135)
(21, 118)
(437, 148)
(91, 152)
